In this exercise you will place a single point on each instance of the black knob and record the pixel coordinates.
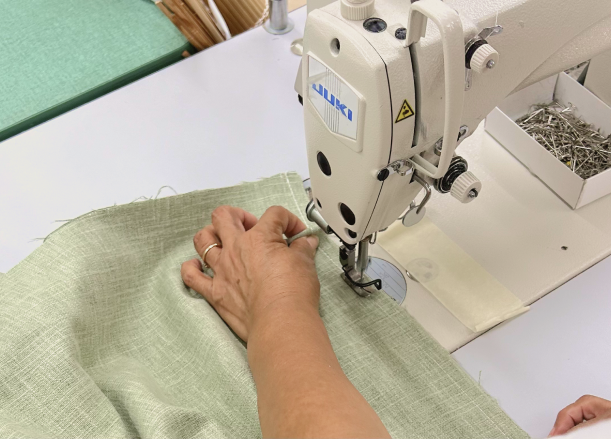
(383, 174)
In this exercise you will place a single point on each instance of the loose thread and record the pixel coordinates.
(141, 198)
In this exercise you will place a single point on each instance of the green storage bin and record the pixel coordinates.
(58, 54)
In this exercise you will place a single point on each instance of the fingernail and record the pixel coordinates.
(551, 433)
(313, 241)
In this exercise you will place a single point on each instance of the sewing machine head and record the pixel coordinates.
(385, 107)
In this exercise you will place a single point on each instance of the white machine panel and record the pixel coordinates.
(334, 100)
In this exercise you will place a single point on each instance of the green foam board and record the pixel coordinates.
(56, 55)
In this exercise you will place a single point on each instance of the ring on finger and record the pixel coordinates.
(205, 253)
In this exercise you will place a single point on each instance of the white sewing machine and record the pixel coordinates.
(388, 96)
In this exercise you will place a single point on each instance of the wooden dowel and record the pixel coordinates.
(259, 7)
(255, 10)
(249, 11)
(234, 26)
(195, 42)
(194, 19)
(199, 9)
(190, 19)
(227, 10)
(183, 27)
(198, 25)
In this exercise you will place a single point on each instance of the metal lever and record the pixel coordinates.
(415, 213)
(314, 215)
(427, 195)
(452, 39)
(488, 32)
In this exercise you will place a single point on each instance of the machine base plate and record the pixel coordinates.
(393, 282)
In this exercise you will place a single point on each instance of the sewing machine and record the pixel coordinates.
(390, 88)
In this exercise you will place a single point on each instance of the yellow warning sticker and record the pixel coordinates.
(406, 112)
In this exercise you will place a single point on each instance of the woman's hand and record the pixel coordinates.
(255, 272)
(587, 408)
(268, 293)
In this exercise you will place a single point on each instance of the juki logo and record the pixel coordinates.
(335, 102)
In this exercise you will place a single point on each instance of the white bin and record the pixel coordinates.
(500, 123)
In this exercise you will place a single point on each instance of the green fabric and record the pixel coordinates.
(56, 55)
(100, 337)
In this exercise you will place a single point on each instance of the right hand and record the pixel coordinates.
(587, 408)
(257, 276)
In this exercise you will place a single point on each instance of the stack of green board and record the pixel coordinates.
(56, 55)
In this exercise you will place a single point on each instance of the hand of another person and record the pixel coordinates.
(587, 408)
(256, 274)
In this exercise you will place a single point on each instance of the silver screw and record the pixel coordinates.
(473, 193)
(464, 130)
(438, 146)
(490, 64)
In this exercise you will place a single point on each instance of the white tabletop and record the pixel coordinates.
(547, 358)
(221, 117)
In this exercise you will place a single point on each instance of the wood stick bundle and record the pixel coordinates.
(241, 15)
(196, 22)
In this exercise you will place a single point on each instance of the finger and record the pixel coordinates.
(585, 408)
(567, 418)
(194, 278)
(585, 424)
(306, 245)
(277, 221)
(205, 238)
(593, 406)
(230, 222)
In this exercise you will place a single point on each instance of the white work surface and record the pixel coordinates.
(229, 114)
(544, 360)
(221, 117)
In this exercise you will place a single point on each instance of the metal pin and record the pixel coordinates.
(574, 142)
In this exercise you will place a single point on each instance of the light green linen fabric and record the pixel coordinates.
(100, 337)
(56, 55)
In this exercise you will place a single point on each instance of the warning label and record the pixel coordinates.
(406, 112)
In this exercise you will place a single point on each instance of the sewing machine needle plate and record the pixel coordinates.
(393, 282)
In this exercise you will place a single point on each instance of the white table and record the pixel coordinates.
(229, 114)
(218, 118)
(544, 360)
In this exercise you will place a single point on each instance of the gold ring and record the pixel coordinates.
(210, 247)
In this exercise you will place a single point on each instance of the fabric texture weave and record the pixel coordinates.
(99, 336)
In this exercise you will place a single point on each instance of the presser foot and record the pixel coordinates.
(392, 280)
(363, 287)
(366, 274)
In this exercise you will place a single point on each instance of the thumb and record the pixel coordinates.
(306, 245)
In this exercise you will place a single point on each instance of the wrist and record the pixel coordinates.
(288, 333)
(281, 312)
(278, 298)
